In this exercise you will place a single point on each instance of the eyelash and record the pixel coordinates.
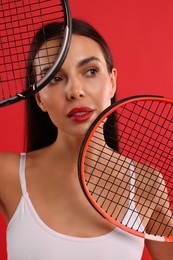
(55, 80)
(90, 71)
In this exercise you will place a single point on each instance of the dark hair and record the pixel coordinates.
(40, 131)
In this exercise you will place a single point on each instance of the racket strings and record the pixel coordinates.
(19, 21)
(111, 182)
(12, 26)
(154, 135)
(106, 165)
(104, 191)
(159, 121)
(146, 144)
(46, 59)
(47, 54)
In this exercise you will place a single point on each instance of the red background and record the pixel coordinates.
(140, 34)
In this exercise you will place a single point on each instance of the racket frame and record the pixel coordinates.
(81, 158)
(32, 90)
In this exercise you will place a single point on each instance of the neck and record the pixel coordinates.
(68, 145)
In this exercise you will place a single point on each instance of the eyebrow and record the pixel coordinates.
(80, 64)
(87, 60)
(44, 70)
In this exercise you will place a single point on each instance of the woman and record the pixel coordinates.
(40, 196)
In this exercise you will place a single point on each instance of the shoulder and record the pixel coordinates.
(147, 175)
(9, 174)
(9, 155)
(8, 161)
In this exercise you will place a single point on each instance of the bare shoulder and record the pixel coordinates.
(9, 176)
(9, 167)
(8, 161)
(147, 175)
(150, 186)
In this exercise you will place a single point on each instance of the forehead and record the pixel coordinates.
(81, 47)
(84, 43)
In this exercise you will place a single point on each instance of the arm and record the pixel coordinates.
(3, 166)
(162, 212)
(9, 181)
(160, 250)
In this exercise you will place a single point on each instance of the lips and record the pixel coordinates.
(80, 114)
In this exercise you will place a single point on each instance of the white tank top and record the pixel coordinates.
(29, 238)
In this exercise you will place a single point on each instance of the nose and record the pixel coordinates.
(75, 91)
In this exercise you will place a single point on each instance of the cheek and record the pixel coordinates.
(51, 106)
(105, 94)
(49, 97)
(54, 115)
(54, 103)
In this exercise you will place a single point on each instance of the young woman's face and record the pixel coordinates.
(82, 88)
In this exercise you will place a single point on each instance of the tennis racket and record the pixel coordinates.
(126, 166)
(19, 23)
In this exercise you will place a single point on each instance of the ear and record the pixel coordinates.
(113, 77)
(40, 102)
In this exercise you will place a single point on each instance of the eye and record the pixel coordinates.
(56, 80)
(92, 72)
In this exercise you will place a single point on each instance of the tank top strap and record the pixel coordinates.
(131, 217)
(22, 173)
(132, 180)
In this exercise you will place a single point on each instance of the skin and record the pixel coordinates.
(77, 86)
(83, 81)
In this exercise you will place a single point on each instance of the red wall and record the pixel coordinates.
(140, 35)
